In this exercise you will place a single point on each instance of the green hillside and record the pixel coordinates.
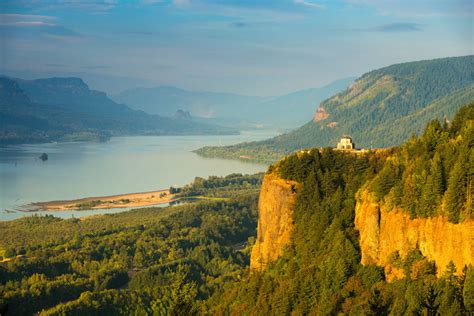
(382, 108)
(320, 272)
(65, 109)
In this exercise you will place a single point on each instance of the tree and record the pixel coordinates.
(468, 291)
(430, 304)
(433, 190)
(456, 192)
(10, 253)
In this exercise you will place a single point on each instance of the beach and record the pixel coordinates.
(105, 202)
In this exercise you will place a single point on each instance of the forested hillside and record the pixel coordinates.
(382, 108)
(320, 272)
(65, 109)
(157, 261)
(193, 258)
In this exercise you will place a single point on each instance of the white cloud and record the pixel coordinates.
(149, 2)
(26, 19)
(32, 23)
(84, 5)
(309, 4)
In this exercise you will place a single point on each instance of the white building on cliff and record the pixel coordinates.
(346, 143)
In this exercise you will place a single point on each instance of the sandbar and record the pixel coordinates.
(111, 201)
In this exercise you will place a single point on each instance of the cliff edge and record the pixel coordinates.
(275, 220)
(384, 232)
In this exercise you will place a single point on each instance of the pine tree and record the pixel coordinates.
(430, 304)
(434, 188)
(456, 193)
(468, 291)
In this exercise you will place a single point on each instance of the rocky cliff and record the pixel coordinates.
(384, 232)
(275, 220)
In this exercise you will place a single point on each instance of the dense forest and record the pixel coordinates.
(433, 174)
(193, 258)
(382, 108)
(147, 261)
(321, 274)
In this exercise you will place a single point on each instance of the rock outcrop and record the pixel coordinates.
(384, 232)
(320, 114)
(275, 220)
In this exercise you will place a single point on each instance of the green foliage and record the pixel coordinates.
(433, 174)
(382, 108)
(224, 187)
(468, 292)
(193, 258)
(320, 272)
(148, 261)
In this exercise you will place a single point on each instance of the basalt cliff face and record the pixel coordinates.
(275, 220)
(384, 232)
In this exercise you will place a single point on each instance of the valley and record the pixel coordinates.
(382, 108)
(322, 227)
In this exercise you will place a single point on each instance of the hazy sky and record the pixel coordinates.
(250, 47)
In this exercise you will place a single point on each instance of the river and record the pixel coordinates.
(121, 165)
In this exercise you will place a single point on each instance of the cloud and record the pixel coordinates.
(419, 8)
(398, 27)
(83, 5)
(148, 2)
(25, 19)
(309, 4)
(260, 11)
(95, 67)
(182, 3)
(144, 33)
(34, 25)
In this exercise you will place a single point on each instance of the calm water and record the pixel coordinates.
(122, 165)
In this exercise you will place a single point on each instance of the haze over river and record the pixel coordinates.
(121, 165)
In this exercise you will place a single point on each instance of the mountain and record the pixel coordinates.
(23, 121)
(167, 100)
(293, 109)
(284, 111)
(382, 108)
(58, 109)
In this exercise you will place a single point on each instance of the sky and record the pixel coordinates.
(248, 47)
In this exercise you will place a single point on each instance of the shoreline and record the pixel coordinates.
(106, 202)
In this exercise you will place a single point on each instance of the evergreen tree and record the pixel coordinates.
(430, 304)
(456, 192)
(433, 190)
(468, 291)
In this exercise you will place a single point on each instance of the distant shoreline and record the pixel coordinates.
(107, 202)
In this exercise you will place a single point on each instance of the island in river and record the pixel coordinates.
(105, 202)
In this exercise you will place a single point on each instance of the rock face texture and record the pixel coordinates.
(383, 233)
(320, 114)
(275, 220)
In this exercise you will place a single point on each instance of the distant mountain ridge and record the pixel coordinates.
(382, 108)
(65, 109)
(286, 111)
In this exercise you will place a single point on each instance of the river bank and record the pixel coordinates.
(106, 202)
